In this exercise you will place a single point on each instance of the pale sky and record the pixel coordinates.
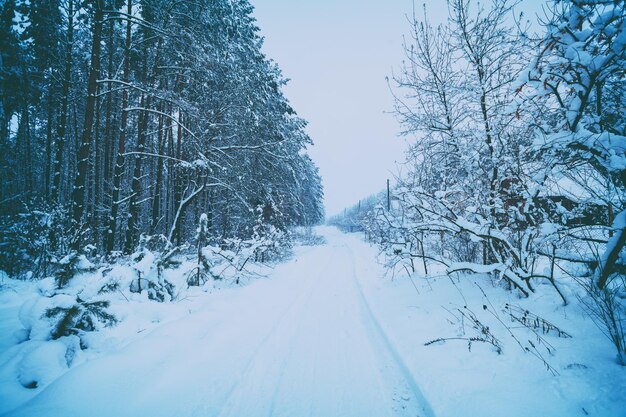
(337, 54)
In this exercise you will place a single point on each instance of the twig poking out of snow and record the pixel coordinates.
(484, 333)
(533, 321)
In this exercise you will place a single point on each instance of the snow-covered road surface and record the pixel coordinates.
(303, 343)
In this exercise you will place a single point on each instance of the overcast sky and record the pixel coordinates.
(337, 54)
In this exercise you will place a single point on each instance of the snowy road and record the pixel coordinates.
(303, 343)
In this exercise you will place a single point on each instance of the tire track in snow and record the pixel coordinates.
(292, 342)
(379, 334)
(302, 300)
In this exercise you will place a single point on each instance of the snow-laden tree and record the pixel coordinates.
(519, 152)
(454, 94)
(151, 113)
(577, 80)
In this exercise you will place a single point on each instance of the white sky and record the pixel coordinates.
(337, 54)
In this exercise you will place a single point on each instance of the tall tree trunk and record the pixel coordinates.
(24, 148)
(108, 139)
(49, 144)
(78, 193)
(97, 188)
(178, 177)
(65, 90)
(493, 181)
(121, 145)
(132, 232)
(142, 128)
(29, 151)
(169, 199)
(156, 197)
(4, 131)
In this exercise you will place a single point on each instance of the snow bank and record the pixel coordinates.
(44, 362)
(458, 381)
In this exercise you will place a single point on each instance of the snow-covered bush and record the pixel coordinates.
(69, 266)
(82, 316)
(306, 236)
(148, 267)
(270, 240)
(233, 259)
(269, 243)
(31, 240)
(200, 274)
(607, 306)
(56, 326)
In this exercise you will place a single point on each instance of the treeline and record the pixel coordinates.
(352, 218)
(518, 168)
(124, 118)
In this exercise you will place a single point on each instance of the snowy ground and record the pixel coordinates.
(325, 335)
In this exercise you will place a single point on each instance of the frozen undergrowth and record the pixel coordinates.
(310, 339)
(540, 370)
(85, 311)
